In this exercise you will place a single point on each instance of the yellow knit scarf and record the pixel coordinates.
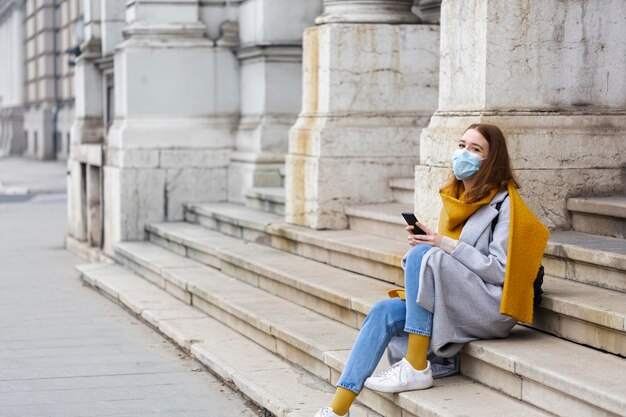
(527, 242)
(456, 211)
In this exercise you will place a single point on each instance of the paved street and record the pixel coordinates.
(67, 351)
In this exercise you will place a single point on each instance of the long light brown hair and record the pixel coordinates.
(494, 172)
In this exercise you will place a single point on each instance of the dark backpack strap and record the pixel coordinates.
(495, 219)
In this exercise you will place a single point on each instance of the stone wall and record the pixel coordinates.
(368, 90)
(205, 92)
(270, 59)
(552, 75)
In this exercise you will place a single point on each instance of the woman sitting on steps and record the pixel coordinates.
(470, 280)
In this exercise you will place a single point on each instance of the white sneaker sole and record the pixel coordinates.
(419, 385)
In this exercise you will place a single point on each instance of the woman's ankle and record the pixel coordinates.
(417, 351)
(342, 401)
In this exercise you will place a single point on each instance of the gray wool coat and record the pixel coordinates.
(463, 289)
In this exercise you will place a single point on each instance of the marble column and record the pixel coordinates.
(176, 108)
(87, 134)
(270, 56)
(112, 21)
(88, 106)
(553, 77)
(369, 87)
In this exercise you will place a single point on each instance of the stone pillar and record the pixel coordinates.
(112, 15)
(88, 106)
(368, 90)
(553, 77)
(87, 134)
(176, 105)
(271, 76)
(77, 198)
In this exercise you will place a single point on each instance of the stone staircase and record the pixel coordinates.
(599, 215)
(269, 199)
(384, 219)
(274, 309)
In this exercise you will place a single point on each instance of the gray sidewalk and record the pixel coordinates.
(67, 351)
(19, 176)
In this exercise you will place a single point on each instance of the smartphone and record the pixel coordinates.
(411, 220)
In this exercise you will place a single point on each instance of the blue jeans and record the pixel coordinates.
(388, 318)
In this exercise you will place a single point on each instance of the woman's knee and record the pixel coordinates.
(388, 311)
(416, 253)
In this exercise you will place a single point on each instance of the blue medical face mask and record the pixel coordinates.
(465, 164)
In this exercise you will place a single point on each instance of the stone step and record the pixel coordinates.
(530, 366)
(270, 381)
(383, 220)
(353, 251)
(577, 312)
(599, 215)
(583, 314)
(269, 199)
(403, 190)
(591, 259)
(341, 295)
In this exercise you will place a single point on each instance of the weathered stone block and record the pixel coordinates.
(370, 68)
(190, 185)
(133, 158)
(194, 158)
(579, 59)
(317, 189)
(361, 83)
(134, 197)
(77, 201)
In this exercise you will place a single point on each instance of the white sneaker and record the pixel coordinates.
(401, 377)
(328, 412)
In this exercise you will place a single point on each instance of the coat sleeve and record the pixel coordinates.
(491, 267)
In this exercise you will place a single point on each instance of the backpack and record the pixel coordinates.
(537, 291)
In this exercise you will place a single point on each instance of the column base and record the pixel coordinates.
(155, 166)
(369, 89)
(317, 189)
(249, 169)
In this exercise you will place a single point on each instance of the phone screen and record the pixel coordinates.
(411, 220)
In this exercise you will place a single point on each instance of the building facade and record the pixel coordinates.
(269, 103)
(12, 140)
(276, 142)
(40, 39)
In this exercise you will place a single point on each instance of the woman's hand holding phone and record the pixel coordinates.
(419, 233)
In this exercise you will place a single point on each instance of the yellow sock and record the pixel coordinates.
(417, 351)
(342, 401)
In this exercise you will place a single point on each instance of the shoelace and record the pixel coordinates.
(398, 367)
